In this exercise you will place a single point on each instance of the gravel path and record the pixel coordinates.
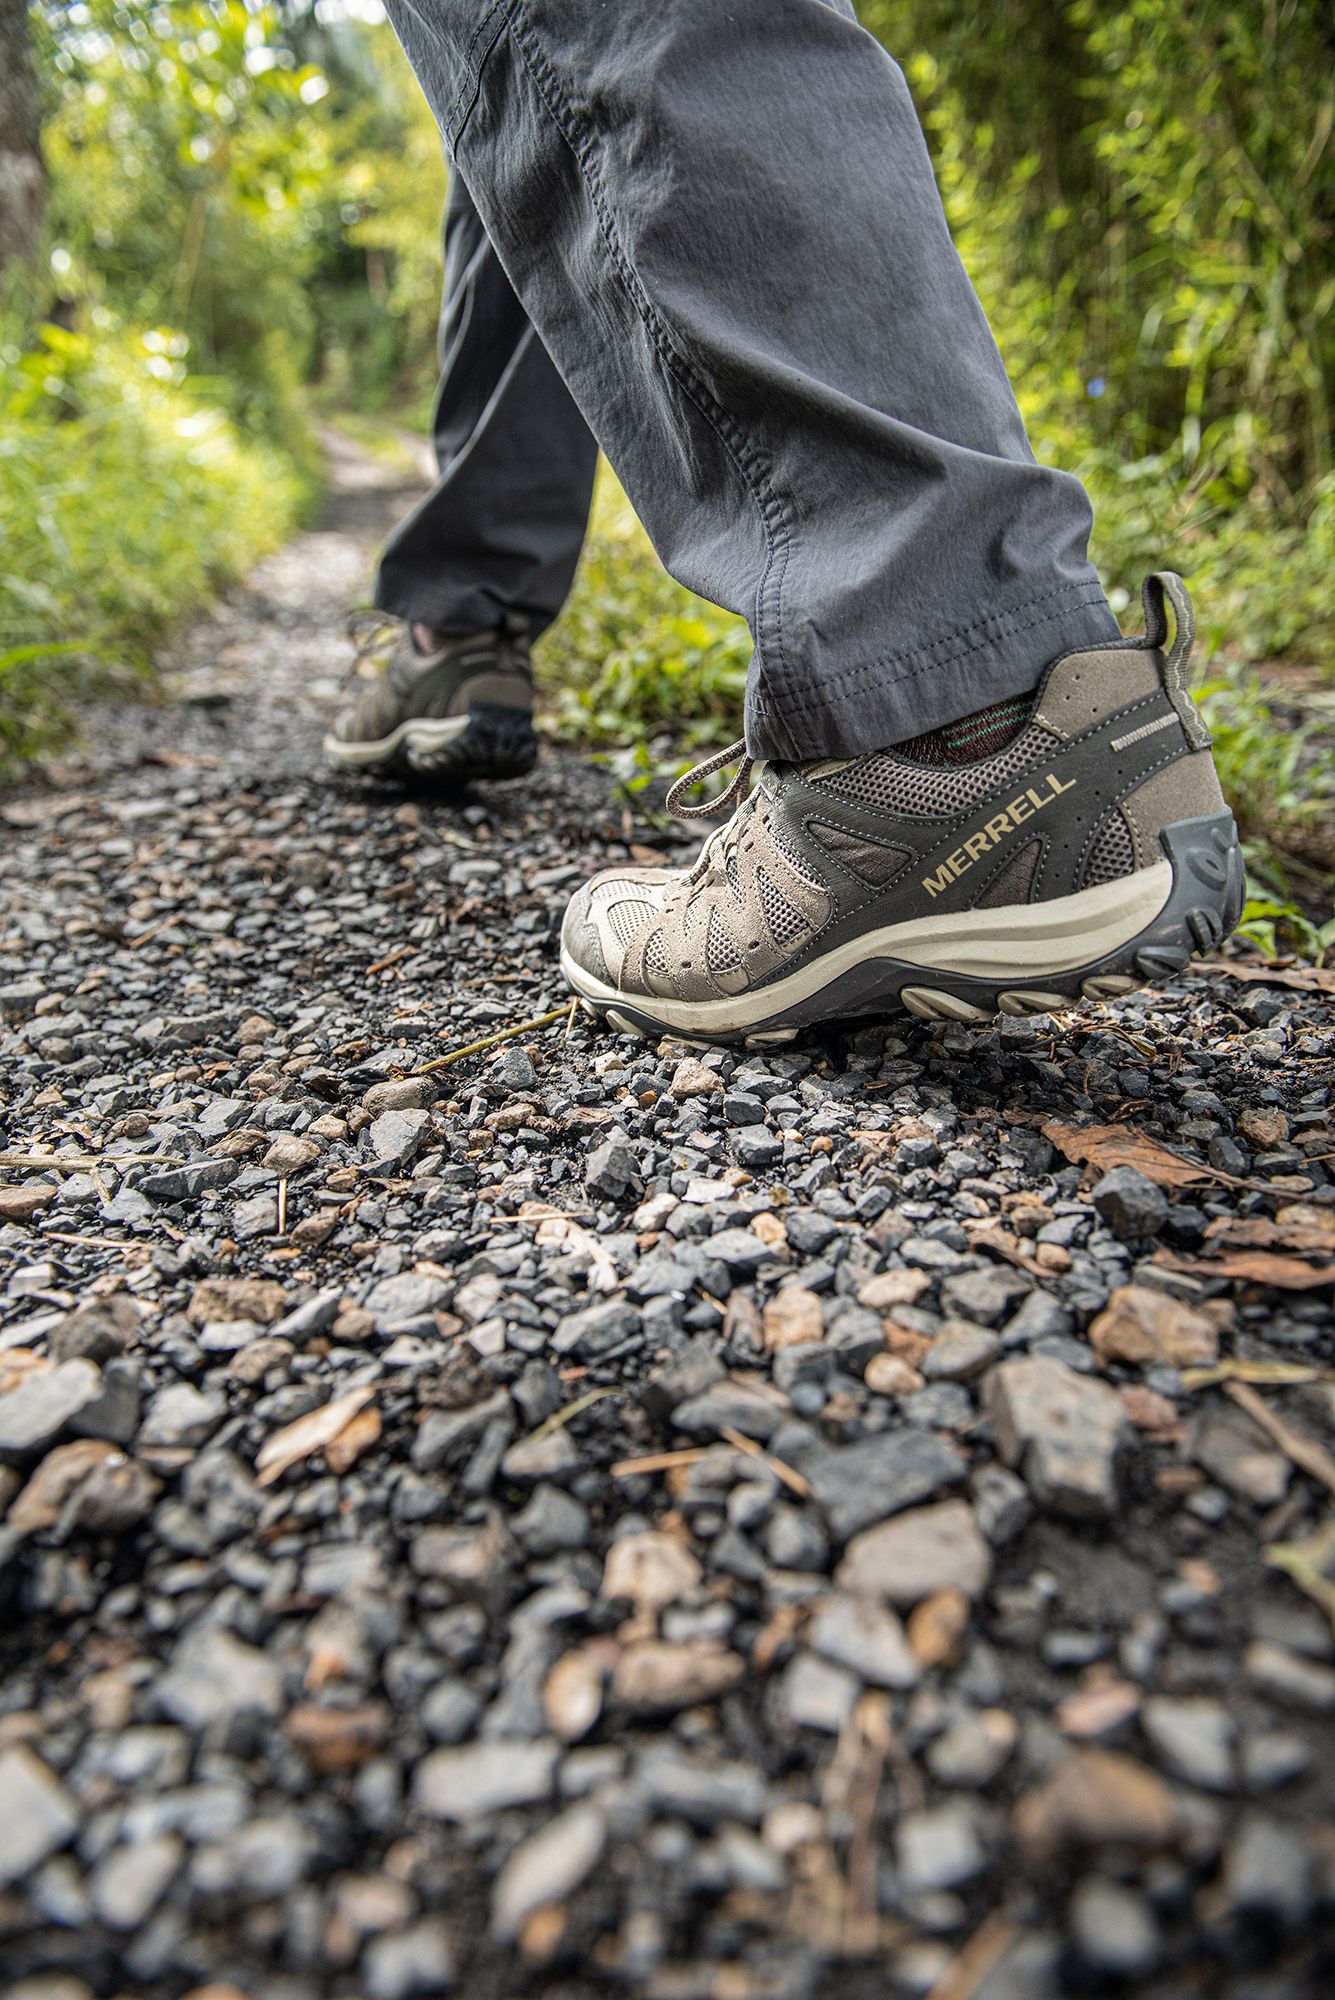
(592, 1519)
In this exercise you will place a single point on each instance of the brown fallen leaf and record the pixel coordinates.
(1259, 1267)
(1106, 1146)
(355, 1438)
(1301, 978)
(310, 1433)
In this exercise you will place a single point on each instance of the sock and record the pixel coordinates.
(981, 734)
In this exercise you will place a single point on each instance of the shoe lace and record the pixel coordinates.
(747, 767)
(373, 635)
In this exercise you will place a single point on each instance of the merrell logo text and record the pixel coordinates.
(1032, 800)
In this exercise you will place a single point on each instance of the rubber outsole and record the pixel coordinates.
(1202, 908)
(488, 743)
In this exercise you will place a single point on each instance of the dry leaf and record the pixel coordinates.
(556, 1227)
(1106, 1146)
(1301, 978)
(355, 1438)
(309, 1433)
(1257, 1267)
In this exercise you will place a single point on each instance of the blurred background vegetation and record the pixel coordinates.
(239, 234)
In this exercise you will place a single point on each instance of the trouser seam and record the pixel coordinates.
(894, 669)
(774, 520)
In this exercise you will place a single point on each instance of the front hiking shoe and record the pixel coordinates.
(1092, 853)
(463, 709)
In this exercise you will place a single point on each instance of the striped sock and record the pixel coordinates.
(981, 734)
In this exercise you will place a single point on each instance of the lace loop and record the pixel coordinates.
(736, 753)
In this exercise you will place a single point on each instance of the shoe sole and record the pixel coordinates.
(488, 742)
(1030, 958)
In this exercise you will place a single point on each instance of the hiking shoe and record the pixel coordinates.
(462, 710)
(1093, 852)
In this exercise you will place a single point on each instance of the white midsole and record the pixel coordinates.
(421, 733)
(1021, 941)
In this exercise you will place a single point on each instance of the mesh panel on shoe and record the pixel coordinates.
(784, 921)
(655, 957)
(924, 791)
(1014, 882)
(870, 860)
(626, 918)
(720, 951)
(1112, 853)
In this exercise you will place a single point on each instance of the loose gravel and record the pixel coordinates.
(600, 1518)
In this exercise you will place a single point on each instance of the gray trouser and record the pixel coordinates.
(722, 222)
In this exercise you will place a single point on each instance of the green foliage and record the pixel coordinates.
(124, 502)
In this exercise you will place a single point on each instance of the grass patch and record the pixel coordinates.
(126, 501)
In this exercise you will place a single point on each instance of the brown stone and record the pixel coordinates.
(20, 1204)
(792, 1316)
(1098, 1710)
(260, 1299)
(938, 1627)
(338, 1739)
(1096, 1798)
(692, 1078)
(290, 1154)
(891, 1375)
(1148, 1329)
(916, 1554)
(651, 1569)
(655, 1678)
(893, 1288)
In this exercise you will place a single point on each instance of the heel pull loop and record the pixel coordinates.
(1165, 588)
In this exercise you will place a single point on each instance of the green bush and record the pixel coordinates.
(125, 501)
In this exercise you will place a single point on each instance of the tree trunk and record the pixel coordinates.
(22, 178)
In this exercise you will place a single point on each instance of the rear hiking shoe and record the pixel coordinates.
(463, 710)
(1093, 852)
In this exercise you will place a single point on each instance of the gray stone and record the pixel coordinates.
(392, 1302)
(815, 1693)
(1239, 1457)
(1062, 1430)
(1113, 1929)
(1268, 1872)
(214, 1677)
(858, 1484)
(1131, 1205)
(1288, 1678)
(938, 1848)
(187, 1183)
(741, 1250)
(396, 1138)
(128, 1883)
(596, 1329)
(480, 1778)
(552, 1520)
(1001, 1504)
(730, 1405)
(985, 1297)
(756, 1149)
(916, 1554)
(181, 1415)
(38, 1817)
(46, 1401)
(612, 1170)
(959, 1352)
(401, 1093)
(446, 1436)
(702, 1792)
(547, 1868)
(866, 1637)
(974, 1750)
(114, 1415)
(1192, 1739)
(416, 1961)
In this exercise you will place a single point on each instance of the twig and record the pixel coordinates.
(570, 1017)
(563, 1417)
(792, 1480)
(970, 1966)
(1305, 1452)
(489, 1042)
(391, 958)
(659, 1461)
(282, 1208)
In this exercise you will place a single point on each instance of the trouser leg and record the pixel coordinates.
(501, 529)
(724, 224)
